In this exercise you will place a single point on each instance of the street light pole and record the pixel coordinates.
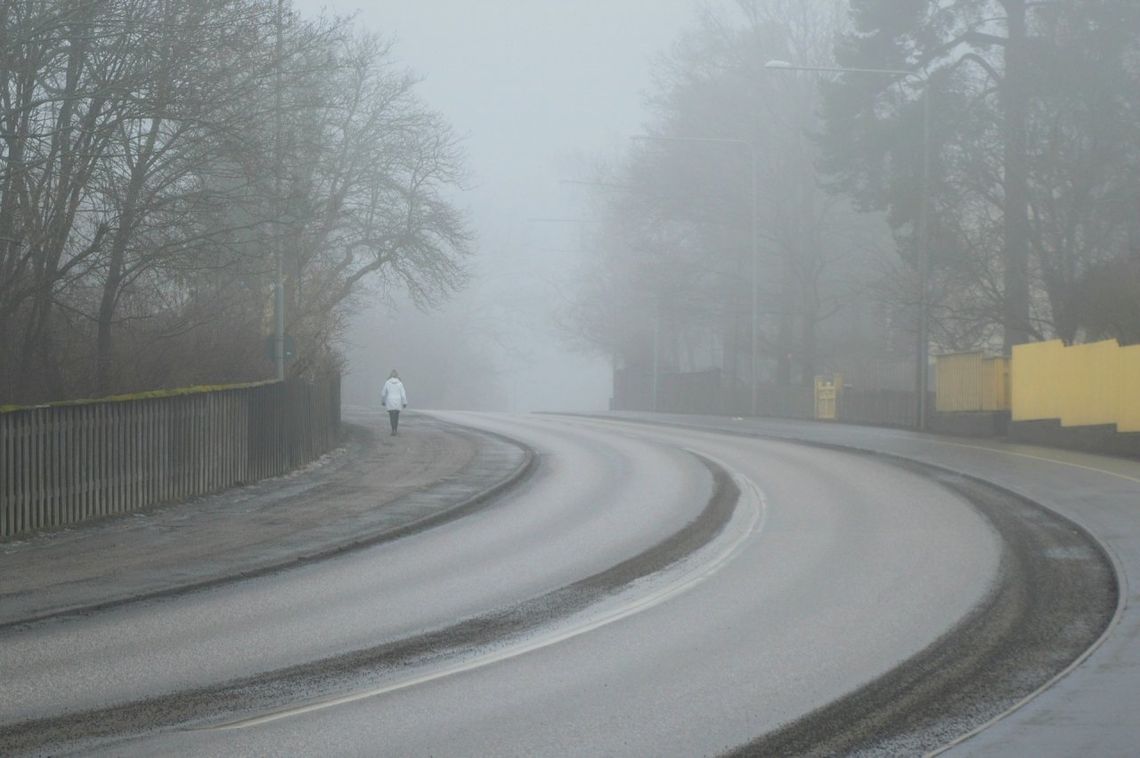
(279, 273)
(922, 380)
(754, 155)
(922, 358)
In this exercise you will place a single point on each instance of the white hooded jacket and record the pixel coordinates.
(393, 395)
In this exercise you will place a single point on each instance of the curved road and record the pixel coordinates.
(488, 635)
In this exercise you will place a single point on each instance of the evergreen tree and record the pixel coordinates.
(1033, 130)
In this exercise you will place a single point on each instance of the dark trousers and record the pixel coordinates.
(394, 418)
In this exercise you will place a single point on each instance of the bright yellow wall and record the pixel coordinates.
(1128, 415)
(1082, 385)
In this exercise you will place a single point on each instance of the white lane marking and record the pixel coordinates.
(1043, 458)
(968, 446)
(757, 518)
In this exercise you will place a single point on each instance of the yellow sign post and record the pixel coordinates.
(827, 397)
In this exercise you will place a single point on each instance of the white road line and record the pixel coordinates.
(1043, 458)
(751, 497)
(776, 437)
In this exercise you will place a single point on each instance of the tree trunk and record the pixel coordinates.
(59, 217)
(107, 302)
(809, 328)
(116, 270)
(786, 329)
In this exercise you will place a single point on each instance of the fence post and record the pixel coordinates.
(7, 461)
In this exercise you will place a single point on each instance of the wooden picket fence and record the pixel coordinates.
(68, 463)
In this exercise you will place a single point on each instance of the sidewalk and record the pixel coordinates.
(1091, 709)
(374, 488)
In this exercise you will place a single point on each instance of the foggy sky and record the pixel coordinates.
(538, 88)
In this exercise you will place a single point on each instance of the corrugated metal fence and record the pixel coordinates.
(877, 407)
(970, 382)
(69, 463)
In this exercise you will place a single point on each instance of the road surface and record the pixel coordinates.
(647, 591)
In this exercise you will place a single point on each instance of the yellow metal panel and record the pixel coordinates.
(971, 382)
(995, 384)
(987, 386)
(1002, 389)
(1037, 381)
(958, 382)
(1128, 419)
(1082, 385)
(1092, 392)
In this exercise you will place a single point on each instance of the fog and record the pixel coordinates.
(818, 189)
(536, 89)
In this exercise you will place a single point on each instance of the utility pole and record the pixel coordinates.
(922, 380)
(279, 284)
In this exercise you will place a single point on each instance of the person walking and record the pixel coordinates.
(394, 398)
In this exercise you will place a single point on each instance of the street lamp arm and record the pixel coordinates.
(714, 140)
(785, 66)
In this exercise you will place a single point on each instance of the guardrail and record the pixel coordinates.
(71, 462)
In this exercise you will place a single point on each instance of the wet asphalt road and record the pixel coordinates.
(369, 490)
(832, 569)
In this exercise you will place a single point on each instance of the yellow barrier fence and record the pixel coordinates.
(1081, 385)
(970, 382)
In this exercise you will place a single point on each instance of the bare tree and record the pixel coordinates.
(1033, 144)
(687, 213)
(144, 192)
